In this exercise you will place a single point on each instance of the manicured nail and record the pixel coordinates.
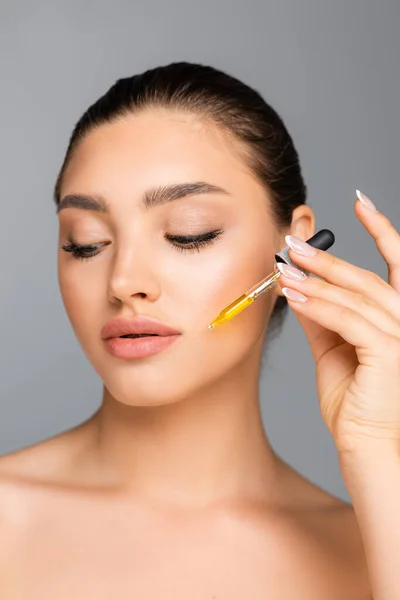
(294, 295)
(365, 201)
(291, 272)
(300, 246)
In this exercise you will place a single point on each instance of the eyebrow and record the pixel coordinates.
(154, 197)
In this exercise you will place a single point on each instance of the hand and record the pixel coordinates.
(351, 319)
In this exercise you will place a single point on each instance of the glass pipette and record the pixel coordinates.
(323, 240)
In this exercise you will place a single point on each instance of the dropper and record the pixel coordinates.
(322, 240)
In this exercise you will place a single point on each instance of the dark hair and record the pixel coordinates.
(229, 103)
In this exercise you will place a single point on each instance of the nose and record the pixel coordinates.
(133, 277)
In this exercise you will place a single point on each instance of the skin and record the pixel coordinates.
(171, 488)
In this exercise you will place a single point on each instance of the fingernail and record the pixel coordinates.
(300, 246)
(294, 295)
(290, 271)
(365, 201)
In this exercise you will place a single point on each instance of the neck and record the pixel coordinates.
(197, 451)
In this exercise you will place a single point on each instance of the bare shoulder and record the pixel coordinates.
(326, 528)
(342, 550)
(34, 468)
(47, 461)
(24, 475)
(32, 465)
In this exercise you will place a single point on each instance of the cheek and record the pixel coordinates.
(206, 356)
(79, 287)
(213, 283)
(219, 276)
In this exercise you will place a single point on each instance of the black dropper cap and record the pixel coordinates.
(323, 239)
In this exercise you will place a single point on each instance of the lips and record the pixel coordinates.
(138, 325)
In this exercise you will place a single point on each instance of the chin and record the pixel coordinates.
(165, 378)
(145, 393)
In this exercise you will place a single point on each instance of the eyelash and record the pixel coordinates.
(85, 252)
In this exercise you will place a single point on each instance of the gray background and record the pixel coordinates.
(330, 68)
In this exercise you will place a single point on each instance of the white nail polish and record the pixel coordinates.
(291, 272)
(365, 201)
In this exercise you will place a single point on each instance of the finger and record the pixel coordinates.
(368, 340)
(348, 276)
(317, 288)
(321, 340)
(386, 237)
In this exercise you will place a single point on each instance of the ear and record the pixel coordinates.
(302, 226)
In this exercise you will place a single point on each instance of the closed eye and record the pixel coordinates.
(183, 243)
(193, 243)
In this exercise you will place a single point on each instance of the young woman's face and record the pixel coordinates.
(140, 270)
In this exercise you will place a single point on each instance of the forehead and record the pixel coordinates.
(156, 146)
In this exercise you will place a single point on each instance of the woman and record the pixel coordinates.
(178, 187)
